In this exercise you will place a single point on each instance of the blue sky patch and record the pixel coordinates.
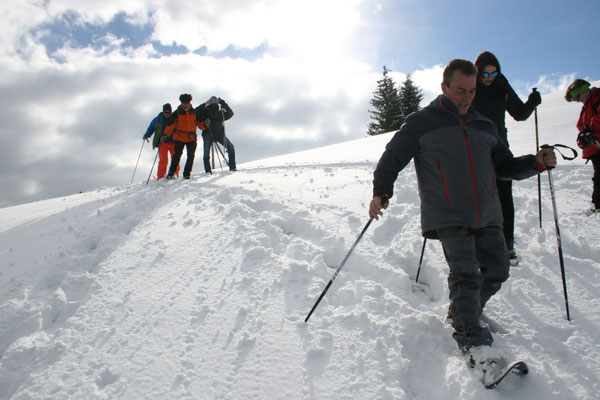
(68, 29)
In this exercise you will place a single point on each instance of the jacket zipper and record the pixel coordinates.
(463, 125)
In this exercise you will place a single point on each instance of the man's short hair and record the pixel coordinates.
(185, 98)
(464, 66)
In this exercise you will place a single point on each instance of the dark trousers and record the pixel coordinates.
(508, 210)
(208, 140)
(478, 261)
(596, 179)
(191, 152)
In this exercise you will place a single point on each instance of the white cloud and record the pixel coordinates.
(545, 84)
(430, 80)
(90, 110)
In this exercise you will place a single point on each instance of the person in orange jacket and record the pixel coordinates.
(589, 128)
(165, 147)
(181, 126)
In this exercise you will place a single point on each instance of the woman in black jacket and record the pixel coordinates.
(494, 97)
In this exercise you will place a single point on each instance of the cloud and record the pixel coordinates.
(430, 80)
(74, 113)
(79, 108)
(548, 83)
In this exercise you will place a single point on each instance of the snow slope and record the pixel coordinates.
(199, 289)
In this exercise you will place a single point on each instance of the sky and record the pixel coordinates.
(81, 83)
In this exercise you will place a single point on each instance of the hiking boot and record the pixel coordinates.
(472, 337)
(186, 177)
(512, 254)
(170, 176)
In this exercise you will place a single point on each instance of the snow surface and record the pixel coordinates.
(199, 289)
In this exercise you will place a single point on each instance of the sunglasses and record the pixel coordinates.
(167, 112)
(487, 74)
(575, 93)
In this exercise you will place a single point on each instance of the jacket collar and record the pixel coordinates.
(442, 104)
(179, 108)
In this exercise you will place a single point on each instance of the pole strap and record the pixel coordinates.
(554, 146)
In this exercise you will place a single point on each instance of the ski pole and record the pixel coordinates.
(138, 160)
(537, 148)
(337, 271)
(212, 150)
(224, 133)
(151, 169)
(216, 145)
(560, 252)
(421, 259)
(223, 154)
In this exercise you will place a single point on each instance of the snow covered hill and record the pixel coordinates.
(199, 289)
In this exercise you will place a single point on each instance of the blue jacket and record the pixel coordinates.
(157, 126)
(457, 160)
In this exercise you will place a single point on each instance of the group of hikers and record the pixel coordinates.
(174, 131)
(464, 170)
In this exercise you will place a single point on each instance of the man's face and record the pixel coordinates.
(186, 106)
(461, 90)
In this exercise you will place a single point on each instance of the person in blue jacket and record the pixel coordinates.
(165, 144)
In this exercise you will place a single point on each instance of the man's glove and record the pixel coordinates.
(207, 123)
(146, 138)
(163, 138)
(585, 138)
(535, 99)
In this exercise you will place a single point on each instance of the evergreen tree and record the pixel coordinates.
(410, 98)
(387, 115)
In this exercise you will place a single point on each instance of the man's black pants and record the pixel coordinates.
(479, 264)
(191, 153)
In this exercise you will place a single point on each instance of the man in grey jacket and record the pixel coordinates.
(458, 155)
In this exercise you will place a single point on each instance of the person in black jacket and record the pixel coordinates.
(493, 98)
(217, 111)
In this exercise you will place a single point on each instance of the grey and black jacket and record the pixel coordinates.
(457, 161)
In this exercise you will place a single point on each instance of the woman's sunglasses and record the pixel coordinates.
(487, 74)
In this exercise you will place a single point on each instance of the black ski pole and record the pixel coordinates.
(337, 271)
(138, 160)
(151, 169)
(212, 150)
(224, 133)
(421, 259)
(537, 148)
(216, 145)
(560, 252)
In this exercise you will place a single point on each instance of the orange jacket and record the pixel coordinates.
(182, 125)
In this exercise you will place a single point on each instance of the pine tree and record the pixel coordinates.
(387, 115)
(410, 98)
